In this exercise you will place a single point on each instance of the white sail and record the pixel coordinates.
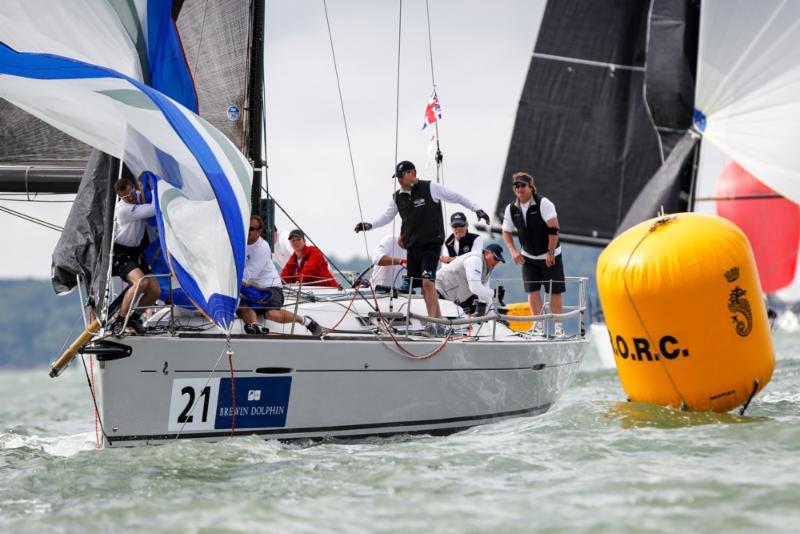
(748, 87)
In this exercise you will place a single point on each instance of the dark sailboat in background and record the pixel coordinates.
(608, 98)
(608, 125)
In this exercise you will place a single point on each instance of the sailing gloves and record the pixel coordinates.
(480, 309)
(363, 227)
(500, 294)
(482, 216)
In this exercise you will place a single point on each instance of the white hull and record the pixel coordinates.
(352, 383)
(334, 388)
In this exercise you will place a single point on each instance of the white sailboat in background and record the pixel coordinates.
(129, 91)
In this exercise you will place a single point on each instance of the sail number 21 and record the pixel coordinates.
(193, 405)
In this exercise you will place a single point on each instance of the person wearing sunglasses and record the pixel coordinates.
(128, 262)
(262, 291)
(461, 241)
(419, 203)
(534, 218)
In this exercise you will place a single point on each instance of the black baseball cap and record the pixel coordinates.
(522, 178)
(403, 166)
(297, 233)
(458, 219)
(496, 250)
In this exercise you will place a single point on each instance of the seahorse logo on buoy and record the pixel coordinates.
(740, 307)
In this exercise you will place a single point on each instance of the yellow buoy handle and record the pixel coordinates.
(61, 363)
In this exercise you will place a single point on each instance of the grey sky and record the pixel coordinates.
(481, 52)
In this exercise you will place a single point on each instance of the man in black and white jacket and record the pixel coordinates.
(535, 220)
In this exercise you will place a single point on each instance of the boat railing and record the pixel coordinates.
(496, 312)
(167, 305)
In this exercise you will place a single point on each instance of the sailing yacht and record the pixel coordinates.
(630, 108)
(171, 92)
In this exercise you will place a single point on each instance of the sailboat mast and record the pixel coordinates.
(255, 104)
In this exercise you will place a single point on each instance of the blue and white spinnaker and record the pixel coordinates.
(84, 67)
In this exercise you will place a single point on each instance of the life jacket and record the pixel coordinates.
(464, 244)
(531, 228)
(451, 279)
(422, 222)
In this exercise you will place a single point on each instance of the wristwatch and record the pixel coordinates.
(551, 251)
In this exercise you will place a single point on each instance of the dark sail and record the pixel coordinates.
(583, 129)
(82, 250)
(671, 68)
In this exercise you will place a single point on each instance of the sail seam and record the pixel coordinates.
(589, 62)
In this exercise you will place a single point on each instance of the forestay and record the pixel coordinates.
(94, 89)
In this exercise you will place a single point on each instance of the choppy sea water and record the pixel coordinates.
(593, 463)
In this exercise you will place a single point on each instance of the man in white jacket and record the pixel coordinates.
(465, 280)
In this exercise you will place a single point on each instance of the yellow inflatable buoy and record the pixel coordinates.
(519, 309)
(684, 311)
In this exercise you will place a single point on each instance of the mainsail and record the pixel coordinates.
(583, 127)
(97, 92)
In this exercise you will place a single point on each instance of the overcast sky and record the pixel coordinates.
(481, 52)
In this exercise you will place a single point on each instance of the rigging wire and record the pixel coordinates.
(396, 124)
(344, 119)
(327, 258)
(32, 219)
(439, 156)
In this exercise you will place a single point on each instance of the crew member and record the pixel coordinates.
(307, 265)
(419, 204)
(388, 264)
(128, 259)
(534, 218)
(461, 241)
(465, 280)
(261, 289)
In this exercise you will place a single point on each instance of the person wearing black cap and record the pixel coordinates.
(461, 241)
(419, 204)
(534, 218)
(465, 280)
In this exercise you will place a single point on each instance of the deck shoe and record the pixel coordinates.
(536, 329)
(559, 331)
(434, 330)
(136, 325)
(252, 329)
(314, 327)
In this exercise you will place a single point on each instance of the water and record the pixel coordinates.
(594, 463)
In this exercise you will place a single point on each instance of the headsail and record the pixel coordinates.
(749, 114)
(203, 180)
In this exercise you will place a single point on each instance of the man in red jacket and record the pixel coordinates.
(307, 264)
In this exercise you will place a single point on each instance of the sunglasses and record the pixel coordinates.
(459, 225)
(253, 228)
(517, 185)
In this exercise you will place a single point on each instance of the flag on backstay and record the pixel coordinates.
(433, 112)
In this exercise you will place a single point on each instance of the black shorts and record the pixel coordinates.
(536, 273)
(423, 262)
(126, 259)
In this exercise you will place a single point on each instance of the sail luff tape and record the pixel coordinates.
(659, 223)
(61, 363)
